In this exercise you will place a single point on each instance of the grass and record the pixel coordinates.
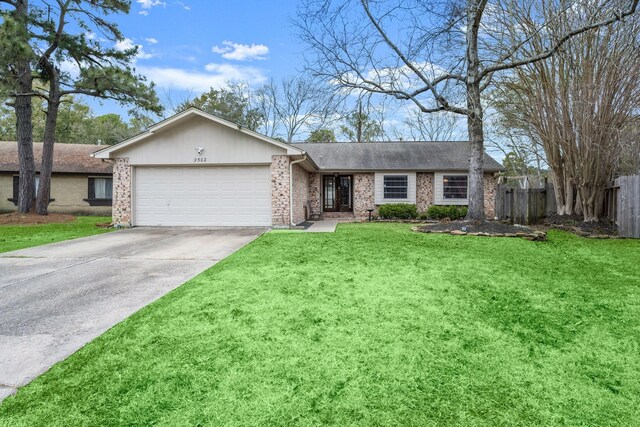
(13, 237)
(372, 325)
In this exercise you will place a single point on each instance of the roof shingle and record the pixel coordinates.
(373, 156)
(67, 158)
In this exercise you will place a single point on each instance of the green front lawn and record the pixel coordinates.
(14, 237)
(372, 325)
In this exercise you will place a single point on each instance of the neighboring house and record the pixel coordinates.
(195, 169)
(80, 184)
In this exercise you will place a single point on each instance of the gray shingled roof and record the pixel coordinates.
(380, 156)
(67, 158)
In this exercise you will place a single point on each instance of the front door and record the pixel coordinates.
(337, 193)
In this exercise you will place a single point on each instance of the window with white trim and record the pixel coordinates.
(454, 186)
(396, 186)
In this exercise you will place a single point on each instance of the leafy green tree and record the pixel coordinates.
(232, 103)
(76, 124)
(514, 164)
(359, 127)
(322, 135)
(102, 71)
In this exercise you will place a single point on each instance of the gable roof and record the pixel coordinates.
(373, 156)
(67, 158)
(192, 112)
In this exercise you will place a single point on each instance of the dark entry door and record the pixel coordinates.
(337, 193)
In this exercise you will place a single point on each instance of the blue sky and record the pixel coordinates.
(188, 46)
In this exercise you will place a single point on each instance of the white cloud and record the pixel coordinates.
(215, 75)
(70, 67)
(144, 12)
(241, 52)
(127, 43)
(151, 40)
(184, 6)
(148, 4)
(124, 44)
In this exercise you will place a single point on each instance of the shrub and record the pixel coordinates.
(398, 211)
(451, 212)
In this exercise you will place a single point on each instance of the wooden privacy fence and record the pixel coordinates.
(524, 206)
(622, 205)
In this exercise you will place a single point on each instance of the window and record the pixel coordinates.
(16, 191)
(100, 191)
(102, 188)
(396, 186)
(454, 186)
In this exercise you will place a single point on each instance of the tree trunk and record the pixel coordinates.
(564, 193)
(476, 160)
(474, 117)
(44, 191)
(24, 130)
(592, 203)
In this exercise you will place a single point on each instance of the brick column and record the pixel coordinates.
(280, 190)
(424, 191)
(364, 194)
(489, 195)
(314, 191)
(121, 210)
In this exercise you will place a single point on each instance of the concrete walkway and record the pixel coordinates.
(324, 226)
(56, 298)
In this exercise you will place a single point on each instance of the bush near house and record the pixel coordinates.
(451, 212)
(398, 211)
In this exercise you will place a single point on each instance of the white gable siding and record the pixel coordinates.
(438, 190)
(379, 188)
(176, 145)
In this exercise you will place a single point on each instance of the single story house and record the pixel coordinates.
(195, 169)
(80, 184)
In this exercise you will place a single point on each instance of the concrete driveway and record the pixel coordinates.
(56, 298)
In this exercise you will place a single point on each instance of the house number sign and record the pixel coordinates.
(199, 158)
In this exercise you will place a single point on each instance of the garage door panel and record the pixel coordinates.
(203, 196)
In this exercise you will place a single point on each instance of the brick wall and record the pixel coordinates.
(364, 194)
(424, 190)
(280, 190)
(315, 191)
(489, 195)
(121, 212)
(300, 193)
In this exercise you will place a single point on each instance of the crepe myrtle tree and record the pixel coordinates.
(580, 106)
(96, 70)
(438, 54)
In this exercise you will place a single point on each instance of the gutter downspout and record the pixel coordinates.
(291, 186)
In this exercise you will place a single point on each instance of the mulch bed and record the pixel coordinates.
(575, 224)
(16, 218)
(485, 228)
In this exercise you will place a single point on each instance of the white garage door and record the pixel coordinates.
(202, 196)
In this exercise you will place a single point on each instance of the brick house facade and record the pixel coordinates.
(195, 169)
